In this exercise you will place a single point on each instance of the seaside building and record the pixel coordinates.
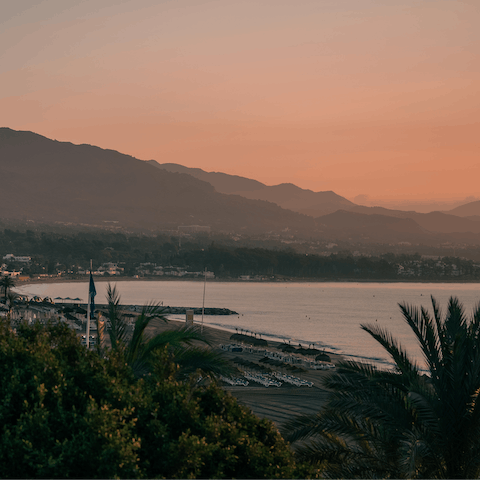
(14, 258)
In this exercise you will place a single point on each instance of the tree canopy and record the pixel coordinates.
(68, 412)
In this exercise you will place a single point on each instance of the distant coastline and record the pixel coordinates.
(115, 279)
(328, 314)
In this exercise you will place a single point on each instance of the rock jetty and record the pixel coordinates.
(197, 311)
(173, 310)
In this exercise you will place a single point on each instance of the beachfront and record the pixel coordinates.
(328, 315)
(277, 404)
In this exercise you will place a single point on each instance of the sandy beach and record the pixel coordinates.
(278, 404)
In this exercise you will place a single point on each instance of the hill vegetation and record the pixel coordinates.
(69, 412)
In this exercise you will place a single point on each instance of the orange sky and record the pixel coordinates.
(355, 96)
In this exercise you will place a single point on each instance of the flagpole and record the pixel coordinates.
(203, 305)
(88, 310)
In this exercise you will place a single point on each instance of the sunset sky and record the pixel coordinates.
(356, 96)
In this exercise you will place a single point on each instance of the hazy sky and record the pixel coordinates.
(355, 96)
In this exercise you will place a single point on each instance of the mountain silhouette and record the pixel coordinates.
(318, 204)
(469, 210)
(49, 181)
(435, 222)
(286, 195)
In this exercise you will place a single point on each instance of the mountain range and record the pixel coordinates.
(286, 195)
(318, 204)
(49, 181)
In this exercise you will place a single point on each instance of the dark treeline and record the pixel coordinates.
(52, 252)
(287, 263)
(67, 253)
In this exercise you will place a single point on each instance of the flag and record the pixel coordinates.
(91, 293)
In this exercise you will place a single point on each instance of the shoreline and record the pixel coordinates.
(222, 335)
(278, 404)
(277, 320)
(114, 279)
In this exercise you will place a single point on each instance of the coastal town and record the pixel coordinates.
(225, 265)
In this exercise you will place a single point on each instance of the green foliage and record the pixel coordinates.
(64, 411)
(117, 330)
(67, 412)
(402, 423)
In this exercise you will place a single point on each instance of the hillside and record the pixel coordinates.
(222, 182)
(49, 181)
(286, 195)
(435, 222)
(471, 209)
(319, 204)
(373, 228)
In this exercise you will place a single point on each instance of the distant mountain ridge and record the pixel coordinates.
(222, 182)
(436, 222)
(471, 209)
(50, 181)
(286, 195)
(318, 204)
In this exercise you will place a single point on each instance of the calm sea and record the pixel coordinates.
(328, 315)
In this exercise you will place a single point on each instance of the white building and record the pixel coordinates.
(13, 258)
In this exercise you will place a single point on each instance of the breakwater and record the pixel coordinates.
(197, 311)
(174, 310)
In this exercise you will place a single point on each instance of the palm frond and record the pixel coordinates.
(455, 322)
(138, 341)
(117, 328)
(380, 423)
(302, 427)
(205, 360)
(425, 331)
(402, 362)
(139, 352)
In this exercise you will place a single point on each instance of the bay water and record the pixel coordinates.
(327, 315)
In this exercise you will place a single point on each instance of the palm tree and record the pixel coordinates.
(6, 283)
(10, 302)
(404, 423)
(118, 326)
(138, 348)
